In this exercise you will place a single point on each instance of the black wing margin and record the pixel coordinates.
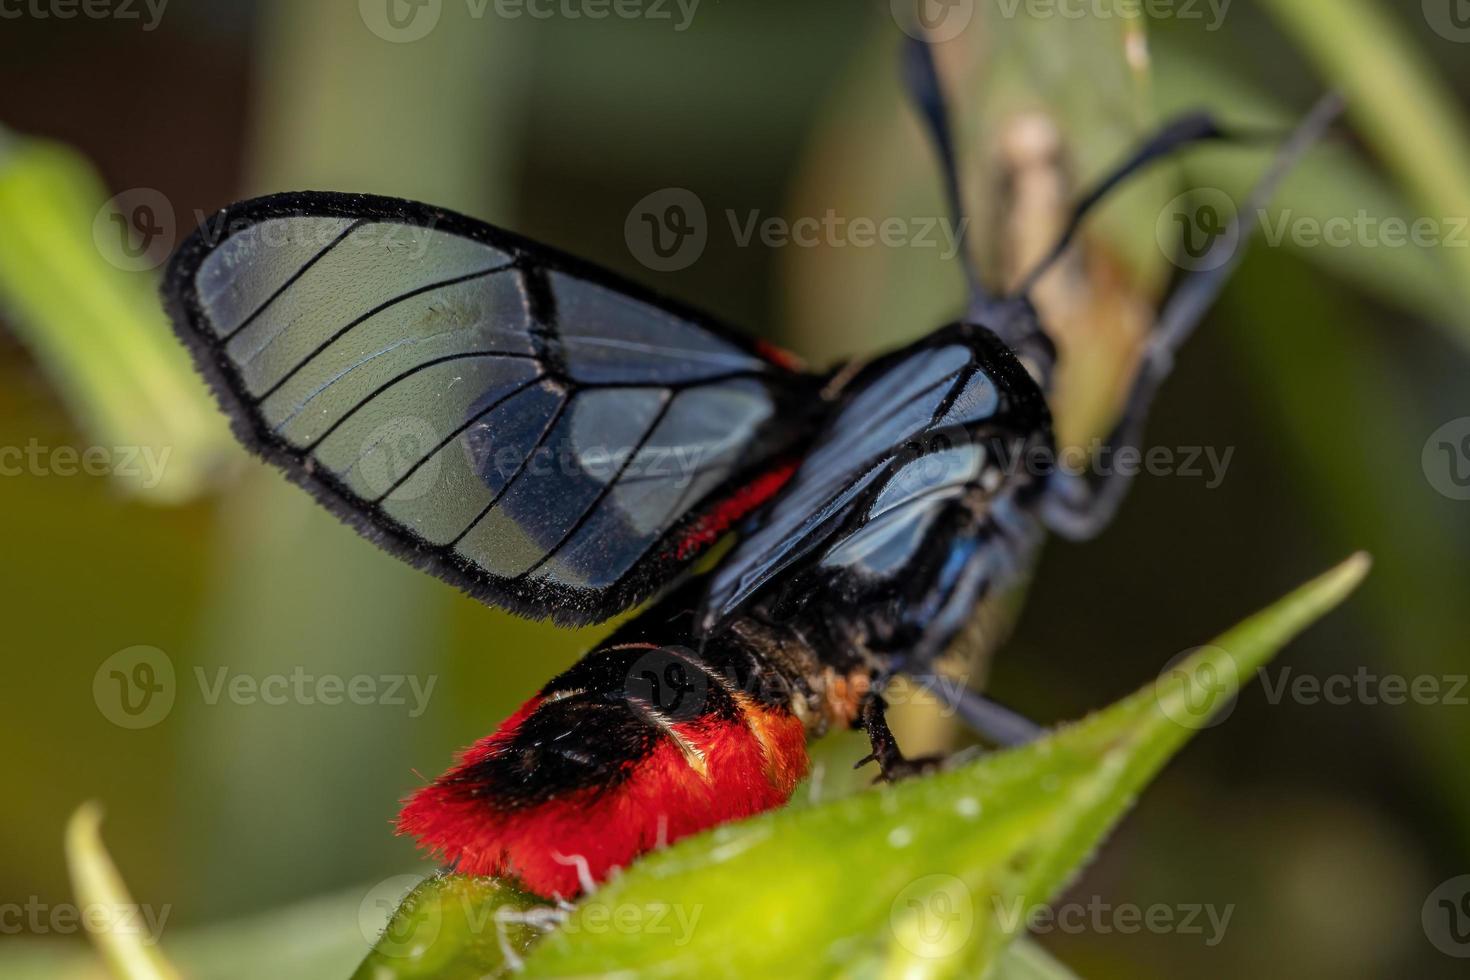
(547, 437)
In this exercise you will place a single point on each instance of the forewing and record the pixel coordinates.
(550, 439)
(900, 489)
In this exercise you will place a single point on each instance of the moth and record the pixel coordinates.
(564, 444)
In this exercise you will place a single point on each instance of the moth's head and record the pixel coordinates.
(1015, 321)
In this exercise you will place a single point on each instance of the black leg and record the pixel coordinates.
(922, 79)
(1196, 127)
(892, 764)
(992, 721)
(1078, 507)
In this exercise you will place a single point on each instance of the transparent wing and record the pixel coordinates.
(550, 439)
(899, 489)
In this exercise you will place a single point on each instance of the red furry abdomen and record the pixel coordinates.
(648, 781)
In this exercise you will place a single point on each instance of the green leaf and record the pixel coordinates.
(131, 953)
(95, 324)
(931, 877)
(1408, 116)
(1334, 183)
(455, 926)
(452, 926)
(1025, 960)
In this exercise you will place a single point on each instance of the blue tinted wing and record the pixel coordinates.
(896, 502)
(855, 452)
(548, 438)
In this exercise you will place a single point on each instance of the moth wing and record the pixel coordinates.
(549, 438)
(907, 504)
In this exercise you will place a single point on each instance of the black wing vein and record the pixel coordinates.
(386, 304)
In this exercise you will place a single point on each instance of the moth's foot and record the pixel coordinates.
(895, 766)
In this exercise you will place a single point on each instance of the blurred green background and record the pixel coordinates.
(265, 829)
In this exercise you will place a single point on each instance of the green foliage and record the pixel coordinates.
(1405, 112)
(130, 954)
(930, 877)
(96, 324)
